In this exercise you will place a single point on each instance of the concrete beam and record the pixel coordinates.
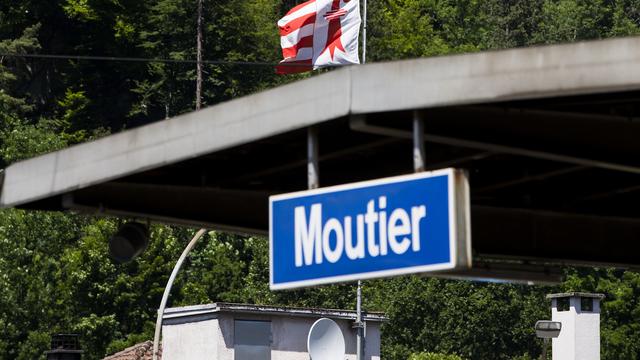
(539, 72)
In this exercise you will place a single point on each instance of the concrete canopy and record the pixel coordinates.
(548, 134)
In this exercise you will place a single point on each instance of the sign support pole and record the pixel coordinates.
(418, 142)
(359, 323)
(313, 174)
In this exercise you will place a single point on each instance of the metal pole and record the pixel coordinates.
(364, 33)
(313, 173)
(418, 142)
(167, 290)
(544, 349)
(359, 324)
(199, 58)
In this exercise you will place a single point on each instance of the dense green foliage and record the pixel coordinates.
(55, 275)
(433, 356)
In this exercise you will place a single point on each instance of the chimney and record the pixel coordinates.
(579, 314)
(64, 347)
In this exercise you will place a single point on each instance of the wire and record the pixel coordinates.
(134, 59)
(151, 60)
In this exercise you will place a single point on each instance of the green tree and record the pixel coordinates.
(30, 298)
(54, 269)
(470, 319)
(568, 20)
(620, 312)
(433, 356)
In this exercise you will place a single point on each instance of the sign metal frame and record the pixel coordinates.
(459, 229)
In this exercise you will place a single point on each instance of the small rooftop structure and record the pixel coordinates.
(64, 347)
(579, 313)
(226, 331)
(575, 294)
(222, 307)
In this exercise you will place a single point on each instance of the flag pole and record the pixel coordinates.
(364, 33)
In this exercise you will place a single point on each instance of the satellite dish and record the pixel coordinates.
(325, 341)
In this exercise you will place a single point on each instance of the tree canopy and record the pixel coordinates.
(54, 269)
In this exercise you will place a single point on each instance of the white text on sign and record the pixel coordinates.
(375, 233)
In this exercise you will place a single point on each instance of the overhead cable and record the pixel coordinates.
(149, 60)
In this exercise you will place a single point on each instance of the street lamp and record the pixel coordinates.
(167, 290)
(130, 241)
(546, 330)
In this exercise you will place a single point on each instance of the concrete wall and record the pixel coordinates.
(564, 345)
(197, 340)
(213, 339)
(588, 333)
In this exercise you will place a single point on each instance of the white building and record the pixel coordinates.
(223, 331)
(579, 314)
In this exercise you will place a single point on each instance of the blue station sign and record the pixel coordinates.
(386, 227)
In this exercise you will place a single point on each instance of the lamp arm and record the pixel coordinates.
(167, 290)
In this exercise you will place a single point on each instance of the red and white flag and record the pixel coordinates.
(319, 33)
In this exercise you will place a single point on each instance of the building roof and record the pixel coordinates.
(548, 135)
(221, 307)
(527, 73)
(142, 351)
(575, 294)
